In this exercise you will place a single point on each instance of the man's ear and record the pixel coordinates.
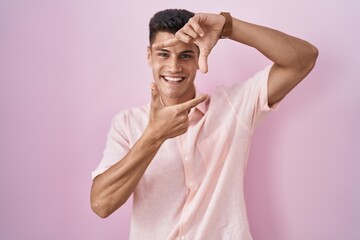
(149, 56)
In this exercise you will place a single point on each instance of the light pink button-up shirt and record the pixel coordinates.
(193, 188)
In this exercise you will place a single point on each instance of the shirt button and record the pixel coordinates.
(191, 184)
(186, 158)
(182, 237)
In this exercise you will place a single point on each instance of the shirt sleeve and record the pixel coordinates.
(249, 99)
(117, 144)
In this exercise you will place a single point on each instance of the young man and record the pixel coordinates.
(183, 156)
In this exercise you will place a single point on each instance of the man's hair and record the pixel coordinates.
(169, 20)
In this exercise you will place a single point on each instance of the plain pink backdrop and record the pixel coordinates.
(67, 67)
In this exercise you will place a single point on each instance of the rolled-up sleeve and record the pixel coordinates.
(117, 144)
(249, 99)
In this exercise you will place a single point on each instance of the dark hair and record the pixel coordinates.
(169, 20)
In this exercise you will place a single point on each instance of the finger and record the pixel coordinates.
(204, 53)
(190, 32)
(187, 33)
(155, 96)
(194, 23)
(192, 103)
(167, 43)
(184, 37)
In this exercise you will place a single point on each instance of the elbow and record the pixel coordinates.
(99, 204)
(100, 209)
(312, 54)
(105, 207)
(305, 60)
(104, 202)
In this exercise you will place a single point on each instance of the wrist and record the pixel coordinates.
(228, 26)
(152, 136)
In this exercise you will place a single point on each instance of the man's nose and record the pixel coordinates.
(175, 66)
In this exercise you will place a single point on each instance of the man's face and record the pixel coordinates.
(174, 69)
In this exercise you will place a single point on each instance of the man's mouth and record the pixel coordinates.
(173, 79)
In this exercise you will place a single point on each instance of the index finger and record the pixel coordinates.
(167, 43)
(191, 103)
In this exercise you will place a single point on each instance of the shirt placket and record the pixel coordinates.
(186, 145)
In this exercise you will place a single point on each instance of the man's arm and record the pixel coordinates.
(111, 189)
(293, 58)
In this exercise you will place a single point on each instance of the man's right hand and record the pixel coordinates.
(203, 29)
(169, 121)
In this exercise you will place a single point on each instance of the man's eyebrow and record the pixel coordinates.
(188, 51)
(185, 51)
(162, 50)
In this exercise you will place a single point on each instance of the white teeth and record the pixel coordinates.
(173, 79)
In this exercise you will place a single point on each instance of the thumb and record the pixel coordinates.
(155, 96)
(204, 53)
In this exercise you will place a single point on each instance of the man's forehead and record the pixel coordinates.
(164, 36)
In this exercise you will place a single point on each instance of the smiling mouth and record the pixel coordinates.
(173, 79)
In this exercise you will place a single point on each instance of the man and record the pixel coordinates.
(183, 156)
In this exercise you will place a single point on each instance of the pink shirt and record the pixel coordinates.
(193, 188)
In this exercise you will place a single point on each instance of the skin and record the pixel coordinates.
(178, 58)
(178, 63)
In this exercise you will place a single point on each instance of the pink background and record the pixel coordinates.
(66, 67)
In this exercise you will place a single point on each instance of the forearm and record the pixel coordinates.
(111, 189)
(284, 50)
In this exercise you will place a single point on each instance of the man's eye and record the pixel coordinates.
(163, 54)
(184, 56)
